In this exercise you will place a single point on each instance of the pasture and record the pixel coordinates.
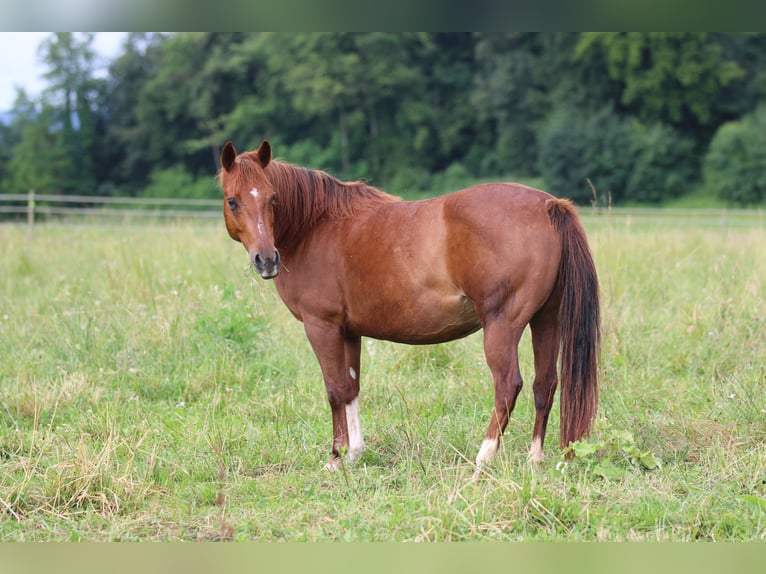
(153, 388)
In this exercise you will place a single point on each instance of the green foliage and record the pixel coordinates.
(611, 456)
(127, 137)
(622, 159)
(665, 166)
(308, 153)
(455, 177)
(177, 182)
(72, 99)
(577, 147)
(409, 179)
(38, 158)
(667, 77)
(397, 109)
(509, 92)
(735, 166)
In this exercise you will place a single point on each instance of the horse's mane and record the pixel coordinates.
(307, 196)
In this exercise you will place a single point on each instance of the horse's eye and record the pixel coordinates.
(232, 203)
(273, 200)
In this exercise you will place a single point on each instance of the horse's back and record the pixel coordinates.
(509, 201)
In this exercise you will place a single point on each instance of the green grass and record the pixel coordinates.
(151, 388)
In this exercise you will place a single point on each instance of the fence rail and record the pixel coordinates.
(34, 207)
(710, 217)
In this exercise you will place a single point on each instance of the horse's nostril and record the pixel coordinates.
(266, 264)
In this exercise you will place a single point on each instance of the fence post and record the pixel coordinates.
(31, 209)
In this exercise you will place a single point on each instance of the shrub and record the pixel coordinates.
(735, 164)
(575, 147)
(516, 151)
(309, 153)
(455, 177)
(624, 160)
(664, 165)
(177, 182)
(406, 180)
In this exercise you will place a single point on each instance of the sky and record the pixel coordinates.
(20, 66)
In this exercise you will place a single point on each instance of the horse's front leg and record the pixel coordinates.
(339, 360)
(352, 347)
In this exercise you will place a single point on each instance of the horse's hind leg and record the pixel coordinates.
(501, 340)
(546, 339)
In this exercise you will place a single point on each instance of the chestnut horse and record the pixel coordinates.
(350, 261)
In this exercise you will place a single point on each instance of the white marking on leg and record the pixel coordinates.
(536, 450)
(355, 440)
(254, 192)
(352, 372)
(332, 465)
(486, 454)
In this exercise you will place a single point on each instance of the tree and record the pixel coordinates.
(507, 93)
(38, 159)
(404, 110)
(735, 165)
(182, 108)
(672, 78)
(579, 149)
(363, 104)
(665, 165)
(127, 138)
(445, 62)
(71, 102)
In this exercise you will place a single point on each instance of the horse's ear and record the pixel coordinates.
(264, 153)
(228, 155)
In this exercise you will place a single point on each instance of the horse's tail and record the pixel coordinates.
(580, 324)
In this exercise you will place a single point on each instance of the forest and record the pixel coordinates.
(629, 118)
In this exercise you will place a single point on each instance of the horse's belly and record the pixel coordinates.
(417, 321)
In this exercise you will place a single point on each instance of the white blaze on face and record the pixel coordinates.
(254, 193)
(352, 372)
(355, 441)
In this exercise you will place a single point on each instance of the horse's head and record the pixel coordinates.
(248, 205)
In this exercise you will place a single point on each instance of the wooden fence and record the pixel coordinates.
(36, 208)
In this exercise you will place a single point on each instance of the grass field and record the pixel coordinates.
(151, 388)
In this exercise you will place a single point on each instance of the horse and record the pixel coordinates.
(351, 261)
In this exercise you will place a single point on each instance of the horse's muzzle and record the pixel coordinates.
(267, 266)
